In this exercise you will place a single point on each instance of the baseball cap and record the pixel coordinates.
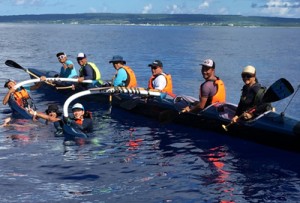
(156, 63)
(249, 69)
(81, 56)
(208, 63)
(77, 106)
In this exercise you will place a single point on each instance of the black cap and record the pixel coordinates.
(53, 108)
(156, 63)
(8, 81)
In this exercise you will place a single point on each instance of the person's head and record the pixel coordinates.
(249, 75)
(53, 111)
(156, 67)
(81, 59)
(78, 111)
(208, 68)
(62, 57)
(9, 83)
(117, 61)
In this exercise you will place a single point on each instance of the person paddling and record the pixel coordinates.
(212, 90)
(251, 96)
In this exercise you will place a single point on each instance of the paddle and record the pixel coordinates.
(14, 64)
(277, 91)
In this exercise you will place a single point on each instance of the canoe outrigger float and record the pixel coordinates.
(270, 128)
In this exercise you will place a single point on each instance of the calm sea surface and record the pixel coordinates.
(136, 159)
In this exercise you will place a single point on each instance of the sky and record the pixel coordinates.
(270, 8)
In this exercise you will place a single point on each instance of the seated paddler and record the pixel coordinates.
(250, 104)
(124, 76)
(88, 71)
(160, 81)
(212, 90)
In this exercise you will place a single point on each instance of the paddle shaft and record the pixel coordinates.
(225, 127)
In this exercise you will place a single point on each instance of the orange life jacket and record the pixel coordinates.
(131, 79)
(169, 86)
(79, 121)
(220, 95)
(87, 114)
(20, 96)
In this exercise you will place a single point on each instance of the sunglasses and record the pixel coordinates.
(154, 67)
(61, 57)
(247, 75)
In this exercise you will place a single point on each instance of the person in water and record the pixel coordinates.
(67, 69)
(250, 104)
(212, 90)
(52, 115)
(88, 71)
(124, 76)
(159, 80)
(81, 119)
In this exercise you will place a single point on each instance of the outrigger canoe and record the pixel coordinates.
(271, 128)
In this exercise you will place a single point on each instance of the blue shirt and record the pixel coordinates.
(68, 72)
(121, 77)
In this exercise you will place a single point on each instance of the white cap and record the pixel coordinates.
(81, 55)
(249, 69)
(78, 106)
(208, 63)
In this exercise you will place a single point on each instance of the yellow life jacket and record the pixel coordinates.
(97, 74)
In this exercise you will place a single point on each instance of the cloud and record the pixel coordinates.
(147, 8)
(174, 9)
(282, 8)
(204, 5)
(27, 2)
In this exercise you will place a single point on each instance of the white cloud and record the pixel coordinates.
(27, 2)
(282, 8)
(147, 8)
(174, 9)
(204, 5)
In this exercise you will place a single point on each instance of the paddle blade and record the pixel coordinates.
(13, 64)
(278, 90)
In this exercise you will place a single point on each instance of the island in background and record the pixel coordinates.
(153, 19)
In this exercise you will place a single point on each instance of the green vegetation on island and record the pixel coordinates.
(153, 19)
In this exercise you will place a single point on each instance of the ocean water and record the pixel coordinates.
(136, 159)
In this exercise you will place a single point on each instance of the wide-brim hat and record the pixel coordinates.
(117, 58)
(53, 108)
